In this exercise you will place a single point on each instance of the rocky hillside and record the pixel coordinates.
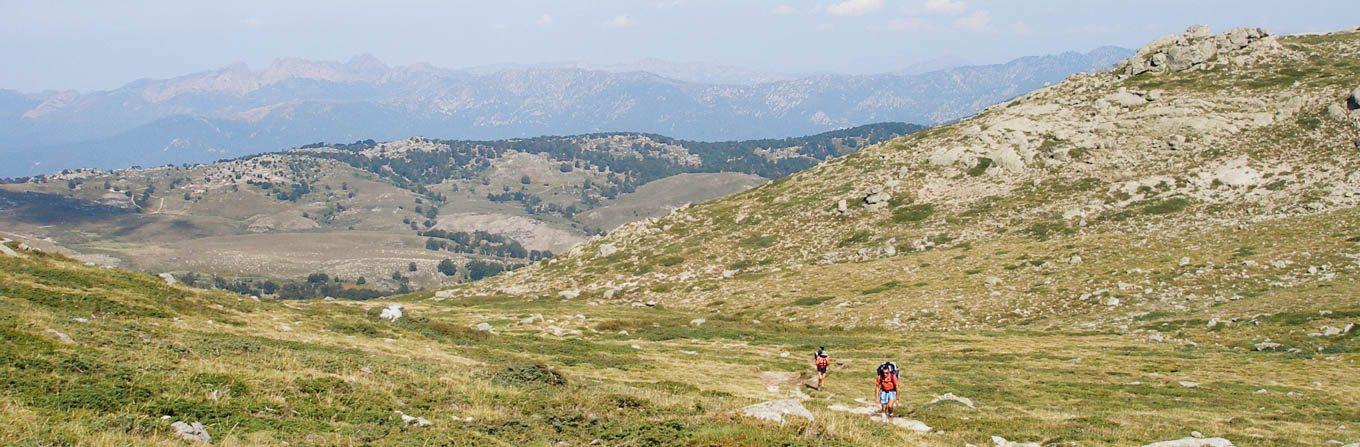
(384, 216)
(1208, 181)
(236, 111)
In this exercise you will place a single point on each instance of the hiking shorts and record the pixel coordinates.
(821, 369)
(884, 397)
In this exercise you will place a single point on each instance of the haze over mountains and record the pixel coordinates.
(236, 110)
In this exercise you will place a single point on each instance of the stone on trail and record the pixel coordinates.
(910, 424)
(864, 410)
(776, 410)
(192, 432)
(391, 313)
(950, 397)
(1002, 442)
(1193, 442)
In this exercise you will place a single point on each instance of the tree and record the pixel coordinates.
(318, 278)
(361, 281)
(447, 268)
(411, 267)
(525, 180)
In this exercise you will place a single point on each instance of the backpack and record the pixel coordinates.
(891, 368)
(823, 360)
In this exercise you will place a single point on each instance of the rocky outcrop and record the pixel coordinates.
(192, 432)
(1193, 49)
(392, 312)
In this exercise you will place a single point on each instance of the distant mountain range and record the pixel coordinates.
(235, 110)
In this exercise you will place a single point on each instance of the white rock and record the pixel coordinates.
(1193, 442)
(1189, 384)
(697, 322)
(1002, 442)
(777, 410)
(1185, 260)
(444, 294)
(483, 327)
(169, 279)
(193, 432)
(414, 421)
(1267, 346)
(569, 294)
(392, 312)
(284, 327)
(950, 397)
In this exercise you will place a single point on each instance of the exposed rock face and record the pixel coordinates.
(1195, 48)
(776, 410)
(192, 432)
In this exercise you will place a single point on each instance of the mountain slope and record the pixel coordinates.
(236, 111)
(1219, 186)
(104, 357)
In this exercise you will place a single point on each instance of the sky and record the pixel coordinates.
(98, 45)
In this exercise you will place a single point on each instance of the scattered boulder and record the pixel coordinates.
(443, 294)
(1338, 112)
(5, 250)
(1189, 384)
(483, 327)
(950, 397)
(697, 322)
(414, 421)
(392, 312)
(607, 249)
(842, 207)
(192, 432)
(877, 198)
(1193, 442)
(1267, 346)
(569, 294)
(776, 410)
(1124, 98)
(169, 279)
(1002, 442)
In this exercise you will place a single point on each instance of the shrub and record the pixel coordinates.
(981, 167)
(528, 373)
(913, 213)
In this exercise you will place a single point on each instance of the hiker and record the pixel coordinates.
(885, 385)
(821, 361)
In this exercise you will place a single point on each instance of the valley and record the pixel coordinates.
(390, 213)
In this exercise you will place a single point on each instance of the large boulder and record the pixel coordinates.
(1353, 102)
(776, 410)
(392, 312)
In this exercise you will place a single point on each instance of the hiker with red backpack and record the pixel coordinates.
(885, 386)
(822, 362)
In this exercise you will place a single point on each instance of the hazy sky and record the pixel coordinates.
(85, 45)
